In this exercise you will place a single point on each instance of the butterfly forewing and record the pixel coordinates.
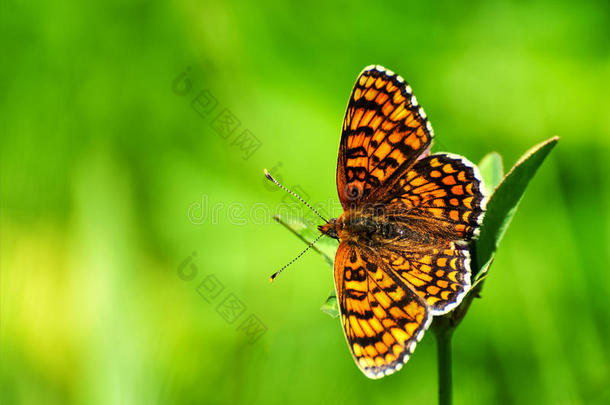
(384, 131)
(382, 318)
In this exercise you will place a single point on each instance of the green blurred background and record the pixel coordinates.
(103, 158)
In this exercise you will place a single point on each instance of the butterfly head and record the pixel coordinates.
(331, 228)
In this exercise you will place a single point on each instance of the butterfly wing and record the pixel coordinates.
(382, 318)
(384, 132)
(440, 201)
(444, 192)
(441, 277)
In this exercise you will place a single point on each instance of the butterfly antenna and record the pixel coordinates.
(277, 183)
(277, 273)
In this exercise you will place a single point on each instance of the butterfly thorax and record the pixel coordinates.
(367, 228)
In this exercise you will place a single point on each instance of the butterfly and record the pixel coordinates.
(408, 217)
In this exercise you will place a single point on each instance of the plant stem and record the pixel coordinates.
(443, 340)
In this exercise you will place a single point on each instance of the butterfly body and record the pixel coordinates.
(408, 218)
(373, 229)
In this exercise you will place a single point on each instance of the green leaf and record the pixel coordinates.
(492, 171)
(503, 203)
(326, 246)
(330, 306)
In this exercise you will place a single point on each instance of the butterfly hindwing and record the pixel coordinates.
(440, 276)
(444, 191)
(382, 318)
(384, 132)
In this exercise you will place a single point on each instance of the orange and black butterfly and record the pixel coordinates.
(408, 217)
